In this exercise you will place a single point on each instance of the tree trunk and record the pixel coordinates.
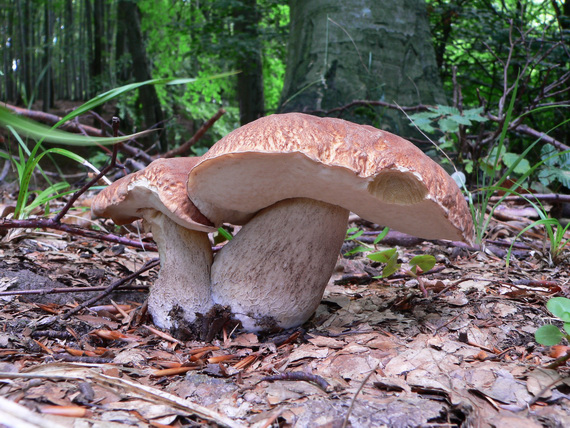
(47, 84)
(129, 18)
(340, 51)
(25, 64)
(98, 38)
(248, 61)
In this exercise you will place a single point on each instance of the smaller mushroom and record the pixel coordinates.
(158, 195)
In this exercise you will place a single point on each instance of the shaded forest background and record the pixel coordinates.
(57, 54)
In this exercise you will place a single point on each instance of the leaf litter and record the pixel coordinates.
(377, 352)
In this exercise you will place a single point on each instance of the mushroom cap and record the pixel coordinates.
(381, 177)
(160, 186)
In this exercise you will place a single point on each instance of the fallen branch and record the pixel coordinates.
(543, 197)
(52, 119)
(183, 148)
(49, 223)
(44, 291)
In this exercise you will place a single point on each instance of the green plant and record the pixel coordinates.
(549, 334)
(354, 233)
(556, 167)
(554, 230)
(390, 257)
(28, 160)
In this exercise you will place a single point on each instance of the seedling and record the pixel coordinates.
(354, 233)
(425, 262)
(549, 335)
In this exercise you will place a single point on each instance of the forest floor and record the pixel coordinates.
(378, 352)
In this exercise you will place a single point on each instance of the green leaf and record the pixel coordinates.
(424, 124)
(523, 166)
(448, 125)
(566, 327)
(227, 235)
(548, 335)
(38, 131)
(359, 249)
(392, 266)
(354, 235)
(560, 308)
(445, 110)
(461, 120)
(425, 262)
(425, 115)
(475, 114)
(382, 256)
(382, 235)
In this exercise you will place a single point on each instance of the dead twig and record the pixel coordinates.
(300, 376)
(45, 291)
(345, 423)
(147, 266)
(183, 148)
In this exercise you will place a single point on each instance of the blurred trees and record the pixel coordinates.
(340, 52)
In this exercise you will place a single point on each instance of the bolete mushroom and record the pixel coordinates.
(292, 180)
(158, 195)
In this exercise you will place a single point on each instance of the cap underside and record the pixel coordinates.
(232, 187)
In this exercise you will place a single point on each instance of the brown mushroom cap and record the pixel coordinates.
(381, 177)
(160, 186)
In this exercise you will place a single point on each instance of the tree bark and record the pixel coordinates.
(129, 17)
(47, 83)
(248, 61)
(98, 38)
(342, 50)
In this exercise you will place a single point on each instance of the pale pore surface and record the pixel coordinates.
(184, 278)
(242, 184)
(279, 264)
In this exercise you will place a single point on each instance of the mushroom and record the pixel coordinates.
(158, 195)
(292, 179)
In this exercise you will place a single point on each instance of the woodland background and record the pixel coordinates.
(487, 81)
(363, 61)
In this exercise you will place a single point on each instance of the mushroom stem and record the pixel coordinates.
(182, 288)
(275, 270)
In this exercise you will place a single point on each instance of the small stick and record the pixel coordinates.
(45, 291)
(345, 423)
(148, 265)
(48, 223)
(300, 376)
(183, 148)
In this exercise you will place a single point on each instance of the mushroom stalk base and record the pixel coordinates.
(274, 272)
(183, 285)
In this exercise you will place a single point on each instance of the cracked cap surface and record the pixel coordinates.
(160, 186)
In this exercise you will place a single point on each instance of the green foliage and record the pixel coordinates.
(28, 160)
(556, 168)
(424, 261)
(550, 335)
(497, 159)
(199, 39)
(446, 119)
(225, 234)
(554, 230)
(390, 258)
(354, 233)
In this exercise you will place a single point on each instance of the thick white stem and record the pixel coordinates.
(183, 285)
(275, 270)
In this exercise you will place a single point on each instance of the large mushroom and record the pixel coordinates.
(292, 180)
(158, 195)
